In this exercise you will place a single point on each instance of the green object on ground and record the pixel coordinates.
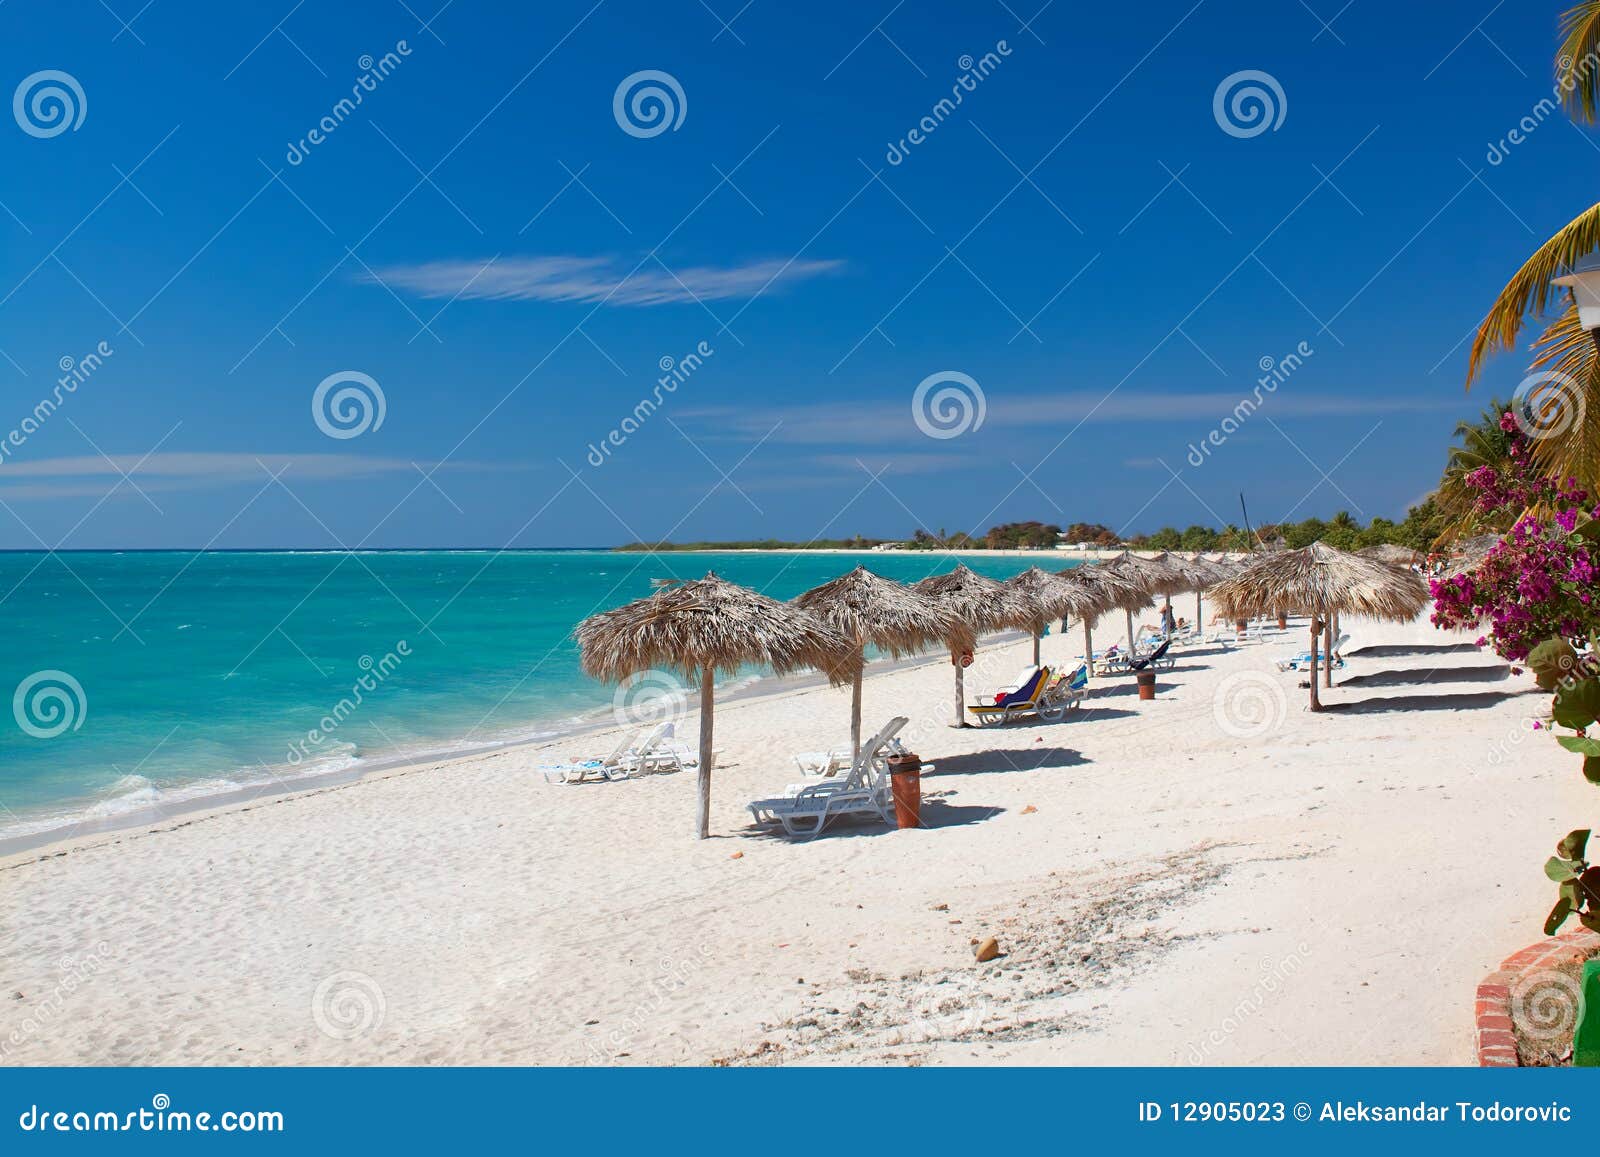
(1586, 1036)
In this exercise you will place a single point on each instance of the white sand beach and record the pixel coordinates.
(1166, 889)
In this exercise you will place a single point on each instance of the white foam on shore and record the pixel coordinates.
(132, 797)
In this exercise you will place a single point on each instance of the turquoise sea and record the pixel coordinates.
(140, 680)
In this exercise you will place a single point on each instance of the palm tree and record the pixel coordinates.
(1483, 443)
(1563, 347)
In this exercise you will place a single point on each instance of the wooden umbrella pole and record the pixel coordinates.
(1088, 651)
(1130, 632)
(1199, 620)
(1327, 653)
(855, 715)
(1334, 634)
(703, 783)
(1316, 704)
(961, 690)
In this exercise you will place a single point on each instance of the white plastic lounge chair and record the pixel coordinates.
(1051, 696)
(657, 754)
(610, 767)
(1113, 660)
(823, 764)
(864, 791)
(660, 753)
(843, 779)
(1302, 661)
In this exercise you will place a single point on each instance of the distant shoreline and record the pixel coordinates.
(1094, 554)
(1010, 552)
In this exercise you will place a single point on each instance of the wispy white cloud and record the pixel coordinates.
(88, 475)
(592, 279)
(875, 423)
(831, 469)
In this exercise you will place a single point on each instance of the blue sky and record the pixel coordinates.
(481, 238)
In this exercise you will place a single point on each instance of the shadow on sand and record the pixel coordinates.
(1469, 702)
(1028, 759)
(1462, 674)
(936, 813)
(1129, 688)
(1406, 650)
(939, 813)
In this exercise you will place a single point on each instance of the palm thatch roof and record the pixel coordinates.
(1151, 576)
(1047, 597)
(871, 610)
(1112, 589)
(711, 625)
(1473, 551)
(1198, 573)
(1392, 554)
(982, 603)
(1319, 580)
(705, 627)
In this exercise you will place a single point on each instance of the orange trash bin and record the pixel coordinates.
(905, 782)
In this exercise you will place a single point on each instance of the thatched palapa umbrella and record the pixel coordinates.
(1320, 580)
(983, 604)
(1391, 554)
(1472, 551)
(1201, 575)
(704, 627)
(1111, 591)
(1048, 597)
(1149, 576)
(870, 610)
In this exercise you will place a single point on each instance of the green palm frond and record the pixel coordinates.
(1578, 62)
(1530, 291)
(1572, 447)
(1483, 443)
